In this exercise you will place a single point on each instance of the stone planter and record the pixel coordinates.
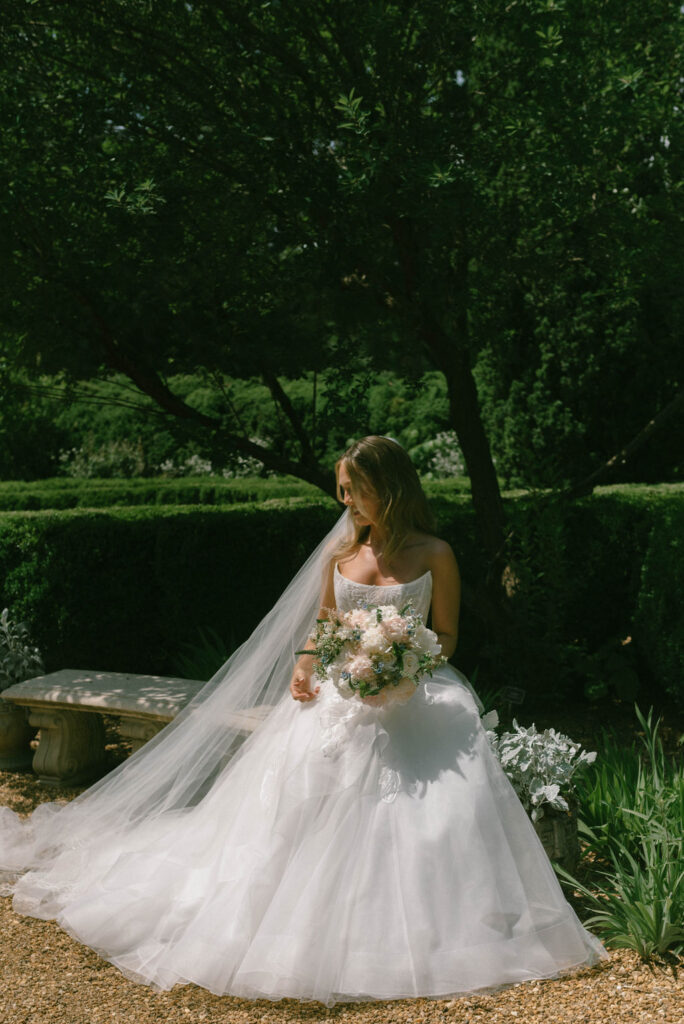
(558, 833)
(15, 738)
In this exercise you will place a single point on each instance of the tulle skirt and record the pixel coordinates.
(347, 853)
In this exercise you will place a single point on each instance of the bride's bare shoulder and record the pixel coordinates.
(436, 553)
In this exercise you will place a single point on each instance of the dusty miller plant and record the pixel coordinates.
(540, 765)
(19, 657)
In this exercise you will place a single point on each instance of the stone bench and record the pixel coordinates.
(67, 707)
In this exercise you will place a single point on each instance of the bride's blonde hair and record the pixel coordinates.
(382, 467)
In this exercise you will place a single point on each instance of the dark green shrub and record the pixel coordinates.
(126, 588)
(30, 439)
(659, 614)
(596, 581)
(122, 589)
(61, 492)
(64, 493)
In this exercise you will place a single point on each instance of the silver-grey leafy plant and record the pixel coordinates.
(540, 765)
(19, 657)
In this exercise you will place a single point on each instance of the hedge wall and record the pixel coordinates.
(61, 492)
(123, 588)
(599, 581)
(659, 611)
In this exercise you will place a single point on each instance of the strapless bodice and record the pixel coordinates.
(350, 594)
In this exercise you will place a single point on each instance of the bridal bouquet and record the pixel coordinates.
(377, 653)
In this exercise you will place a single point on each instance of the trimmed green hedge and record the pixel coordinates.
(61, 492)
(659, 613)
(122, 589)
(599, 581)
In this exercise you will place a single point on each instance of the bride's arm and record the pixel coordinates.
(300, 684)
(446, 596)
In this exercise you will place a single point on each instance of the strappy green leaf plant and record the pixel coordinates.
(638, 903)
(631, 809)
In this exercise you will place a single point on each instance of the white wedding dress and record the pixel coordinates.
(348, 853)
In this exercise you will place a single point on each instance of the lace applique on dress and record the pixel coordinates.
(350, 594)
(337, 717)
(390, 783)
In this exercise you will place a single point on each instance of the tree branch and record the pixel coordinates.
(586, 486)
(282, 399)
(149, 383)
(61, 394)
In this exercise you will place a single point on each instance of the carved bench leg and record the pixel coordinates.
(15, 738)
(138, 731)
(71, 746)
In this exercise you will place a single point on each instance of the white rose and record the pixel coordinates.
(334, 672)
(427, 641)
(375, 641)
(410, 663)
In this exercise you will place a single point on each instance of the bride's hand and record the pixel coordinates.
(300, 687)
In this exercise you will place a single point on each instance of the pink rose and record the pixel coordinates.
(360, 667)
(394, 629)
(377, 700)
(399, 694)
(403, 691)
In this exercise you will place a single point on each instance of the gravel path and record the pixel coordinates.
(48, 978)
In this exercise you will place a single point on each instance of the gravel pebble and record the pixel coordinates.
(48, 978)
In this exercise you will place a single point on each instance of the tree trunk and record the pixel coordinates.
(452, 358)
(465, 415)
(464, 408)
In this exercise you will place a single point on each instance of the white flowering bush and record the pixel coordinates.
(197, 465)
(19, 657)
(440, 457)
(122, 458)
(193, 465)
(540, 765)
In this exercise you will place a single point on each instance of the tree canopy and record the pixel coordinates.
(264, 189)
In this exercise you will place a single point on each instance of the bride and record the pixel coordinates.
(345, 850)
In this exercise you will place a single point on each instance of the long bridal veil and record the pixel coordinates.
(175, 769)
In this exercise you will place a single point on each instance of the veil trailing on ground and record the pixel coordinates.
(175, 769)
